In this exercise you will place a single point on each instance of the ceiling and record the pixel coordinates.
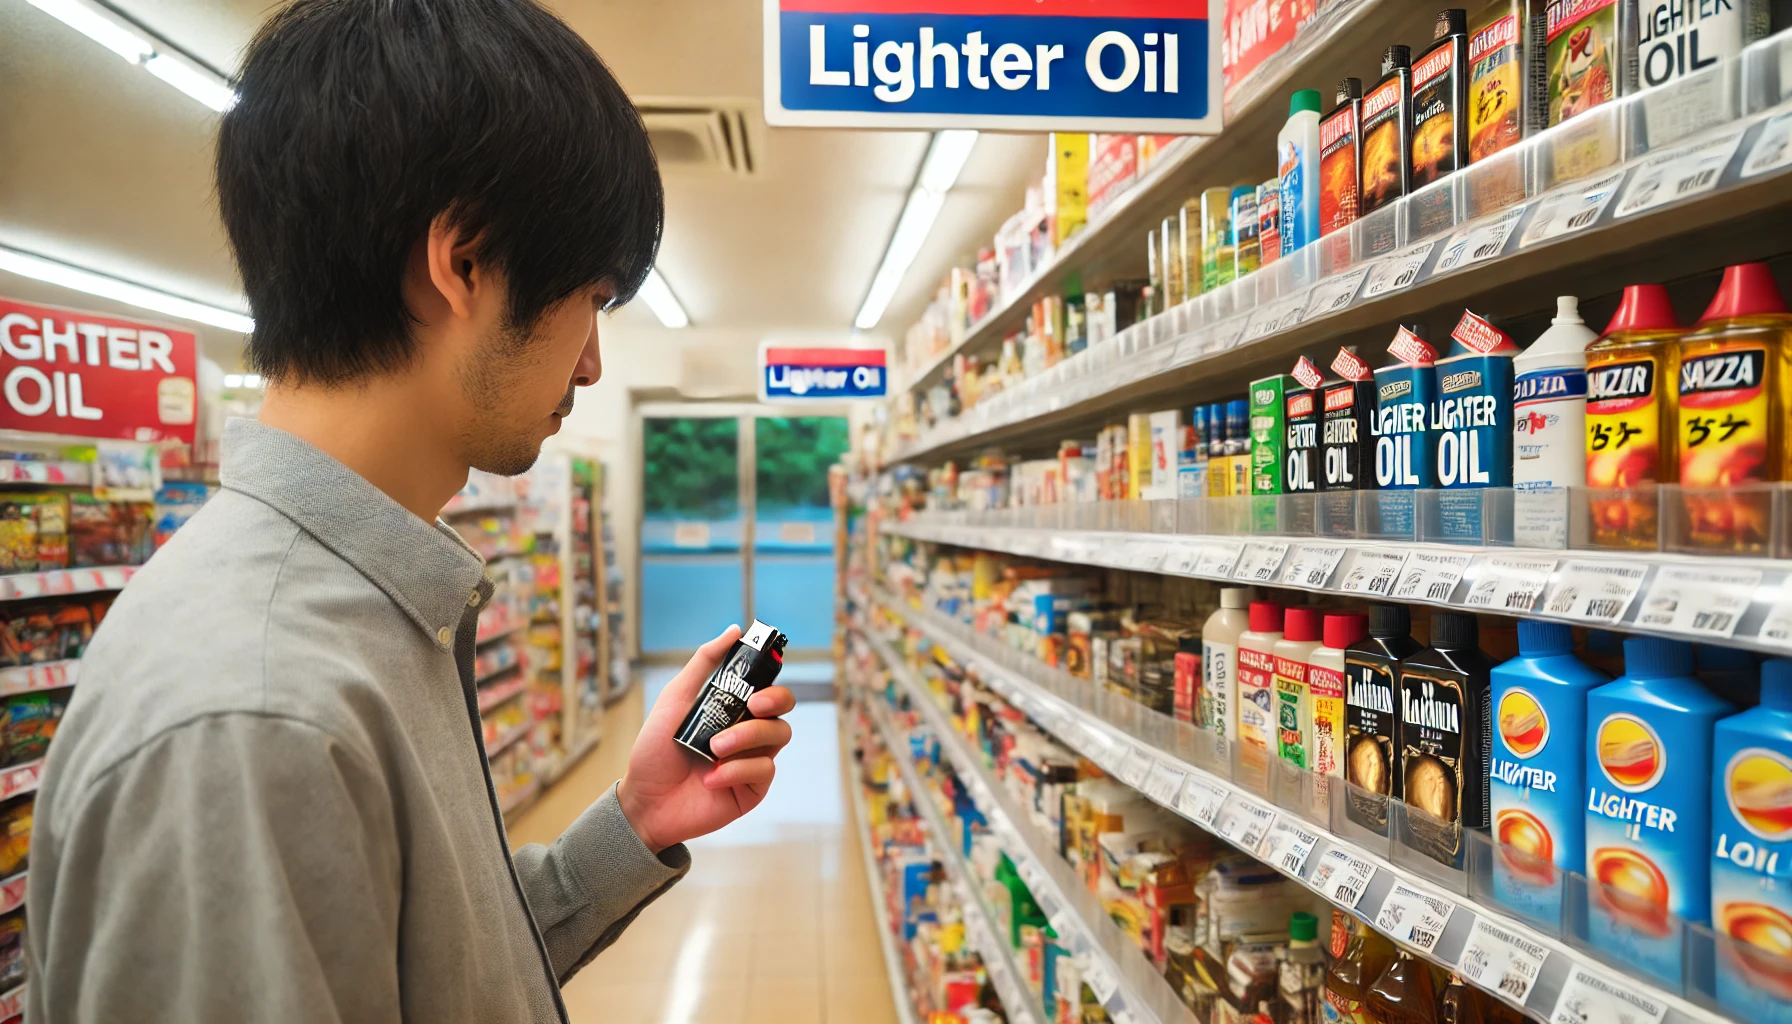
(109, 168)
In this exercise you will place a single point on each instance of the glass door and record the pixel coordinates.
(793, 535)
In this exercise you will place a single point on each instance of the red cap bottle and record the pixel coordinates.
(1303, 624)
(1343, 630)
(1748, 289)
(1644, 307)
(1266, 617)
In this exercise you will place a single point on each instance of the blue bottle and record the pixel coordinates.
(1751, 860)
(1404, 391)
(1649, 737)
(1540, 714)
(1471, 426)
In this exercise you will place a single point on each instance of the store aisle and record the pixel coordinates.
(772, 926)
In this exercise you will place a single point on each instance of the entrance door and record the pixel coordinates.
(735, 524)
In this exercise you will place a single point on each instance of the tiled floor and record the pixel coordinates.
(772, 926)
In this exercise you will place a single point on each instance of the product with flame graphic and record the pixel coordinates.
(1632, 887)
(1759, 787)
(1525, 846)
(1748, 879)
(1630, 753)
(1523, 724)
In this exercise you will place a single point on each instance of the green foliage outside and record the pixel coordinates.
(794, 456)
(690, 468)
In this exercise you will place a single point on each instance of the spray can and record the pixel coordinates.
(751, 665)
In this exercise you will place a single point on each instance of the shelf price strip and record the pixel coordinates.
(1288, 845)
(1414, 916)
(1501, 960)
(1342, 877)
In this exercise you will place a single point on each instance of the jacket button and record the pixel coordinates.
(473, 599)
(444, 635)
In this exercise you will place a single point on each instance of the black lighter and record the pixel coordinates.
(752, 665)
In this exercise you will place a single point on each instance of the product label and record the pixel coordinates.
(1269, 224)
(1245, 254)
(1339, 171)
(1549, 429)
(1371, 726)
(1623, 424)
(1535, 792)
(1495, 89)
(1435, 80)
(1751, 874)
(1471, 422)
(1292, 709)
(1411, 349)
(1443, 768)
(1384, 145)
(1268, 434)
(1402, 458)
(1349, 407)
(1187, 681)
(1293, 172)
(1325, 687)
(1678, 37)
(1256, 698)
(1724, 418)
(1219, 664)
(1300, 472)
(1582, 57)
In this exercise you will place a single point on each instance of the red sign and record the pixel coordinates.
(65, 371)
(1256, 30)
(1113, 168)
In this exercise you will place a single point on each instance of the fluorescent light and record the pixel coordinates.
(106, 27)
(195, 81)
(52, 272)
(946, 156)
(659, 298)
(233, 380)
(251, 380)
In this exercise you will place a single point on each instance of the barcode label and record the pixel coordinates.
(1342, 877)
(1200, 801)
(1591, 998)
(1397, 271)
(1373, 572)
(1509, 584)
(1134, 769)
(1773, 147)
(1312, 566)
(1701, 600)
(1431, 577)
(1498, 958)
(1678, 173)
(1259, 562)
(1243, 822)
(1100, 979)
(1414, 916)
(1777, 628)
(1218, 561)
(1164, 784)
(1474, 244)
(1183, 560)
(1569, 210)
(1335, 293)
(1288, 845)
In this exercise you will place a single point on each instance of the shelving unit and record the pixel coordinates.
(880, 906)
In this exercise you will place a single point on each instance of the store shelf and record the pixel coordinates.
(520, 797)
(50, 675)
(1128, 985)
(1018, 1002)
(27, 471)
(1510, 959)
(880, 906)
(494, 696)
(1700, 202)
(499, 634)
(22, 586)
(1734, 601)
(561, 767)
(12, 893)
(509, 737)
(21, 779)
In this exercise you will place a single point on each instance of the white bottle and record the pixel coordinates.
(1549, 414)
(1257, 676)
(1297, 164)
(1219, 662)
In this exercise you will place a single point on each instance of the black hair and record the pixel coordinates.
(360, 121)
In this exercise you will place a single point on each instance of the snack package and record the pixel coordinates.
(34, 634)
(12, 949)
(108, 532)
(15, 837)
(176, 503)
(33, 531)
(28, 723)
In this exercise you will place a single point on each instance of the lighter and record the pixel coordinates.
(751, 665)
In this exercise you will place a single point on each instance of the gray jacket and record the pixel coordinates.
(269, 800)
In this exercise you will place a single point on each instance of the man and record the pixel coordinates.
(269, 800)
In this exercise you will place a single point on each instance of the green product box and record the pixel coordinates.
(1269, 431)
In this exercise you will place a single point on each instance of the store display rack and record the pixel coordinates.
(49, 675)
(1127, 986)
(880, 904)
(24, 586)
(496, 695)
(1424, 909)
(1715, 150)
(1018, 1003)
(21, 779)
(1742, 602)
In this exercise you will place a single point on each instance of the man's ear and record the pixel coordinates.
(453, 269)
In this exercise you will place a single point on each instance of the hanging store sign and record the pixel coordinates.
(65, 371)
(824, 374)
(1138, 66)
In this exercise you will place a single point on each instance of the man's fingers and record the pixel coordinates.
(772, 702)
(676, 698)
(741, 771)
(759, 732)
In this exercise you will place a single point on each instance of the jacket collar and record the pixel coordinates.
(425, 568)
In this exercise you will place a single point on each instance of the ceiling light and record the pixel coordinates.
(233, 380)
(115, 33)
(946, 156)
(52, 272)
(659, 298)
(251, 380)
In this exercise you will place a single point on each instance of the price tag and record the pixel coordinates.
(1135, 768)
(1342, 877)
(1100, 979)
(1163, 784)
(1373, 572)
(1123, 1016)
(1509, 584)
(1288, 845)
(1592, 998)
(1275, 317)
(1200, 801)
(1704, 600)
(1182, 559)
(1772, 149)
(1259, 562)
(1334, 293)
(1777, 629)
(1244, 822)
(1678, 173)
(1217, 561)
(1478, 242)
(1568, 210)
(1140, 555)
(1429, 577)
(1594, 591)
(1064, 923)
(1502, 960)
(1190, 349)
(1397, 271)
(1312, 566)
(1414, 916)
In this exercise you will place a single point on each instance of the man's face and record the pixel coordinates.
(519, 384)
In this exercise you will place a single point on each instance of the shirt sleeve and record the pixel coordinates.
(589, 885)
(259, 848)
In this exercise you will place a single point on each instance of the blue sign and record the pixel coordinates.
(825, 374)
(1144, 66)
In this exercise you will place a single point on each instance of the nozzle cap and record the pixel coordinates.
(1644, 307)
(1748, 289)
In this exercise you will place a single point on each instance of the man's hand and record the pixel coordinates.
(670, 794)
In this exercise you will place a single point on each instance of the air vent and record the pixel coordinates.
(698, 135)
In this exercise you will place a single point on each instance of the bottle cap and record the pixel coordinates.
(1303, 927)
(1652, 657)
(1343, 630)
(1395, 57)
(1776, 684)
(1235, 597)
(1349, 89)
(1451, 22)
(1302, 100)
(1567, 310)
(1644, 307)
(1542, 639)
(1454, 631)
(1747, 290)
(1387, 621)
(1266, 617)
(1303, 624)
